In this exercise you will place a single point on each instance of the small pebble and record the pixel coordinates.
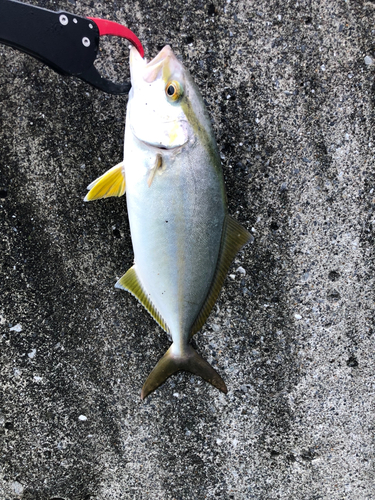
(368, 60)
(17, 487)
(32, 354)
(233, 276)
(82, 418)
(298, 316)
(16, 328)
(241, 270)
(176, 394)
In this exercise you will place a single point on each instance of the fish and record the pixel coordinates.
(183, 238)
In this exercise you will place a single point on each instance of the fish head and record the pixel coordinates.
(155, 111)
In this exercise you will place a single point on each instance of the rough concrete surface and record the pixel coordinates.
(290, 88)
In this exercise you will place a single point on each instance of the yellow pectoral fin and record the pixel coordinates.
(112, 183)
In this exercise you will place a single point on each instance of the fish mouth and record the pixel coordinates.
(163, 64)
(172, 135)
(159, 65)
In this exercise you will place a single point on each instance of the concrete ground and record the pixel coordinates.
(290, 89)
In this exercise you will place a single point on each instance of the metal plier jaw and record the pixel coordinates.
(67, 43)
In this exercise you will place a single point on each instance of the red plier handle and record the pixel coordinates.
(116, 29)
(92, 75)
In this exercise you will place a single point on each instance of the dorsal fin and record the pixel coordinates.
(112, 183)
(131, 283)
(233, 238)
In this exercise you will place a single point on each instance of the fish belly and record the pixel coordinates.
(176, 225)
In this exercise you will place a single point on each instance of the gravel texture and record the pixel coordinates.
(290, 89)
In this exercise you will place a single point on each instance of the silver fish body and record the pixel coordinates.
(182, 237)
(176, 224)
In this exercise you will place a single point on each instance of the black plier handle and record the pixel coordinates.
(67, 43)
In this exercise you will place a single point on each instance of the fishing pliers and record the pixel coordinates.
(67, 43)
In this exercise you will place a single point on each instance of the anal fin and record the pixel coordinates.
(112, 183)
(233, 238)
(132, 284)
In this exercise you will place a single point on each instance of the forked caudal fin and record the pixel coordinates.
(189, 361)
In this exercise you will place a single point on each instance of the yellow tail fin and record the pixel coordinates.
(189, 361)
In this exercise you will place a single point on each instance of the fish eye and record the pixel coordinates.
(173, 90)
